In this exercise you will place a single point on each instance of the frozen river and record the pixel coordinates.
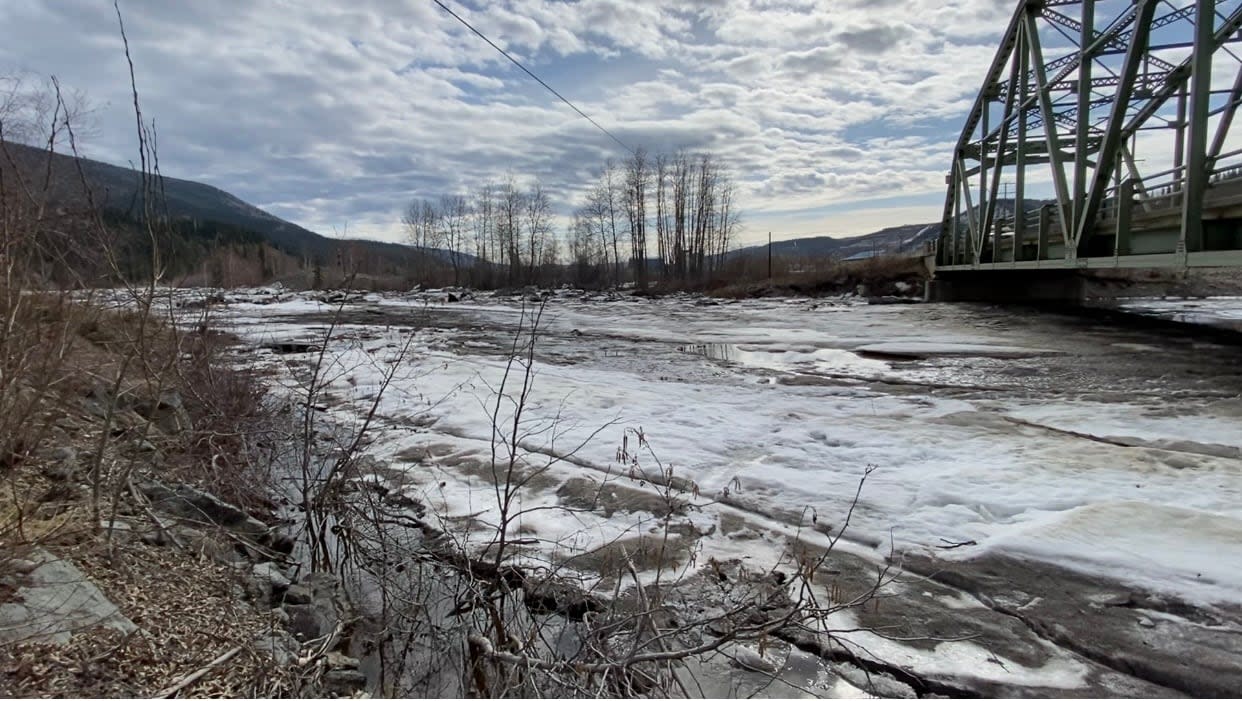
(1111, 449)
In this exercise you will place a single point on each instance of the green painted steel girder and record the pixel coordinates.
(1066, 132)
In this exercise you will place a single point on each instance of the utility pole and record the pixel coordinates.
(769, 256)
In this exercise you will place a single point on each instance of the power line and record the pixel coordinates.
(529, 73)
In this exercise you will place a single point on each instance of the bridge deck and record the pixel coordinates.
(1199, 259)
(1154, 228)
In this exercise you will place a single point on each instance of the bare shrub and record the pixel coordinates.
(231, 440)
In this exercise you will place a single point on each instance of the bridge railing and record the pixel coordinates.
(1228, 166)
(1043, 233)
(1161, 190)
(1166, 189)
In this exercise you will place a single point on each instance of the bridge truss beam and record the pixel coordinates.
(1119, 144)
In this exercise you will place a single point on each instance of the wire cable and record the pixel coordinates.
(532, 75)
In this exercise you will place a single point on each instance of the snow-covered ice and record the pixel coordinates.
(1112, 451)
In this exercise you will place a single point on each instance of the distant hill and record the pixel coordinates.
(118, 189)
(909, 238)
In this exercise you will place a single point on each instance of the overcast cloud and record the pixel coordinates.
(835, 116)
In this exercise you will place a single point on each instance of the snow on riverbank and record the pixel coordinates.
(987, 436)
(1222, 312)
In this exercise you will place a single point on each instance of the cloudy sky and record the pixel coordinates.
(835, 116)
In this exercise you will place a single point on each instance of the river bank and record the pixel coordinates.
(140, 549)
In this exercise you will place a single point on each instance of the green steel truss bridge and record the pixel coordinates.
(1102, 138)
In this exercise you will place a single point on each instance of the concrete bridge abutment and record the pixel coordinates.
(1008, 287)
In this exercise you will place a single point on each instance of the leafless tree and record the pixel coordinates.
(663, 217)
(36, 111)
(538, 225)
(681, 191)
(637, 179)
(610, 196)
(454, 222)
(695, 220)
(695, 217)
(596, 219)
(483, 228)
(510, 208)
(587, 255)
(424, 231)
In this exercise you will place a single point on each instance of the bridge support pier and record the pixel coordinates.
(1008, 287)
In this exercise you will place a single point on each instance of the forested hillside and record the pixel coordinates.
(108, 229)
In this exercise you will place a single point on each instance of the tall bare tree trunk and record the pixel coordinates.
(637, 177)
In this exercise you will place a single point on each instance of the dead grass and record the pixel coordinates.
(188, 613)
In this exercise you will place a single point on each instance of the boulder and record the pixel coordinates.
(21, 565)
(62, 464)
(282, 543)
(750, 658)
(280, 617)
(319, 616)
(207, 545)
(97, 401)
(345, 682)
(266, 583)
(309, 621)
(196, 506)
(122, 528)
(166, 411)
(337, 660)
(279, 646)
(55, 601)
(298, 594)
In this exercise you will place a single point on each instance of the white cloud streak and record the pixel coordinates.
(337, 113)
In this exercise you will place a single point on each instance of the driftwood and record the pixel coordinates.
(145, 504)
(197, 674)
(543, 594)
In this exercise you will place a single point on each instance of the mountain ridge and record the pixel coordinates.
(901, 239)
(119, 188)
